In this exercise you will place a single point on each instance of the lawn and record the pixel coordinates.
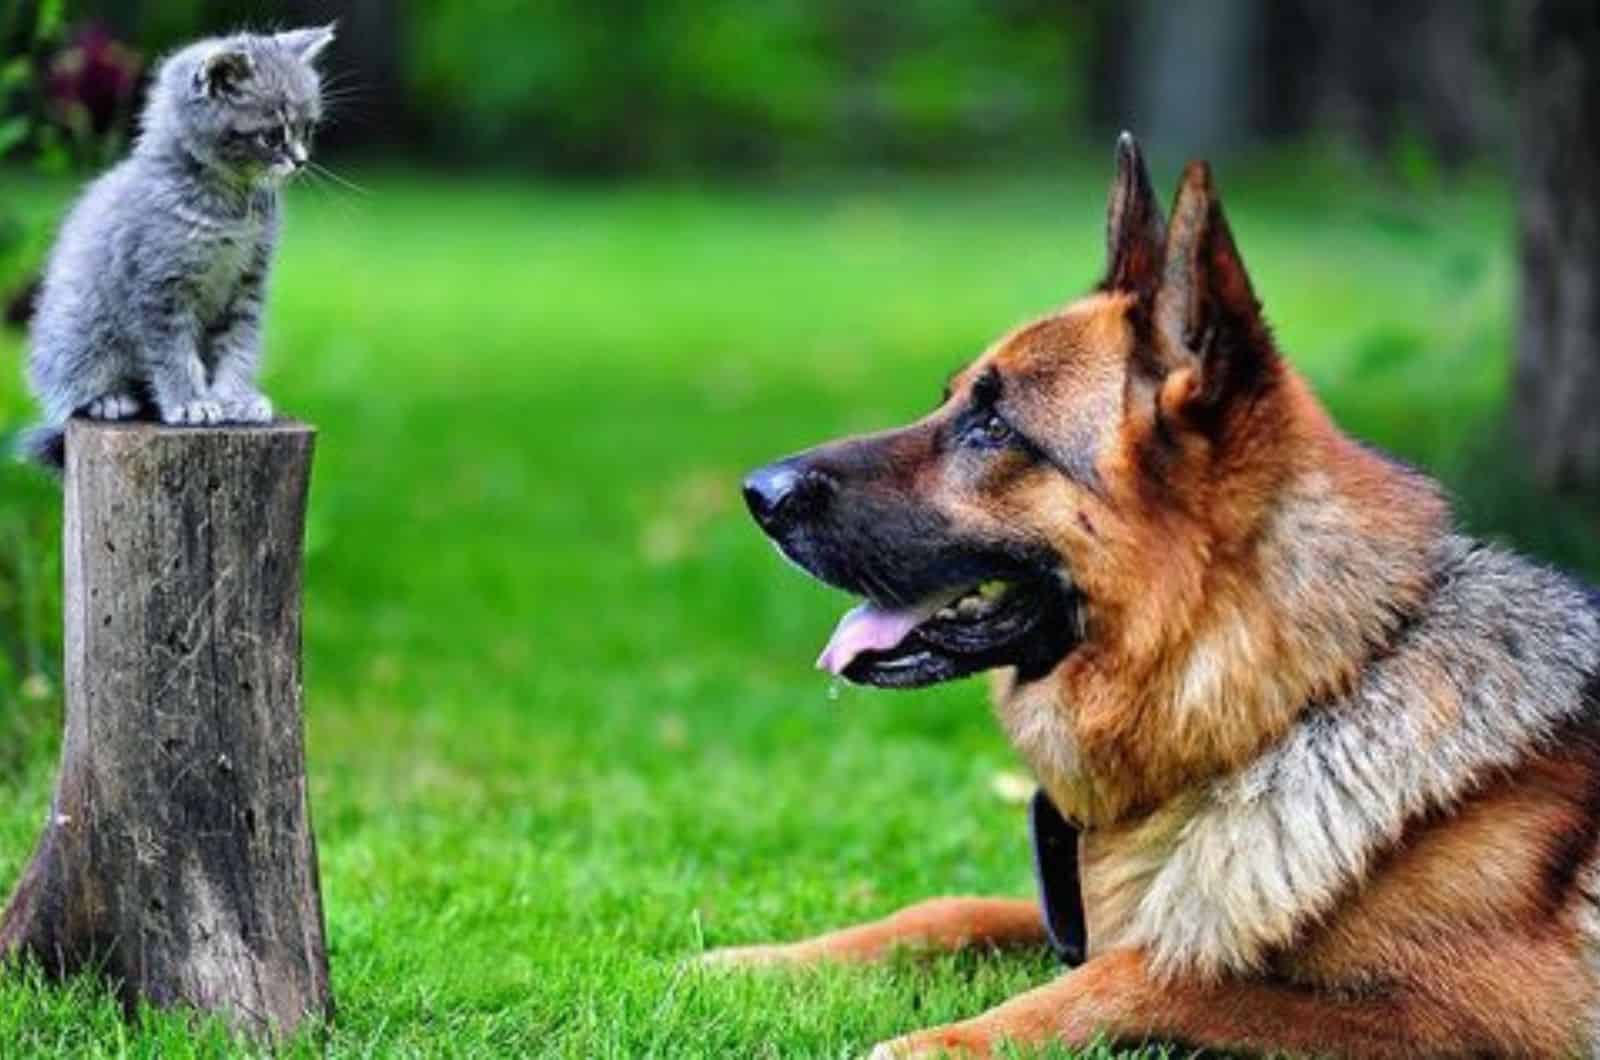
(563, 729)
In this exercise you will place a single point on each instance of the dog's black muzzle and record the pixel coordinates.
(841, 512)
(851, 515)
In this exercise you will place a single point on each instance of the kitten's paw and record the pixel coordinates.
(248, 408)
(194, 413)
(112, 407)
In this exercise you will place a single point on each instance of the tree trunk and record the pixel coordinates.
(1192, 73)
(178, 859)
(1558, 355)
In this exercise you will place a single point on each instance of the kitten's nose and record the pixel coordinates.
(297, 155)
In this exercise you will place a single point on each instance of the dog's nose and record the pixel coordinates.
(780, 493)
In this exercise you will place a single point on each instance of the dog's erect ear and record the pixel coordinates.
(1135, 231)
(1208, 322)
(222, 72)
(307, 44)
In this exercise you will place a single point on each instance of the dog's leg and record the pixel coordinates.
(1113, 997)
(938, 925)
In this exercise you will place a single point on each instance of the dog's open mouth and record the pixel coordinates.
(1027, 623)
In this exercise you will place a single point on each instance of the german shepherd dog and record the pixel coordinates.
(1336, 767)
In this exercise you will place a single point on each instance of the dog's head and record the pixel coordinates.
(1075, 475)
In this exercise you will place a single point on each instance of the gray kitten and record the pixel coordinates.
(153, 293)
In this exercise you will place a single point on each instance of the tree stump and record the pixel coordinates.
(178, 859)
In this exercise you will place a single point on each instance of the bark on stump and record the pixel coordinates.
(178, 859)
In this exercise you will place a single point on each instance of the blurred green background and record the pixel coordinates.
(587, 263)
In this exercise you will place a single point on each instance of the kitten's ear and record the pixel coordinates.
(1209, 321)
(1136, 233)
(307, 44)
(223, 71)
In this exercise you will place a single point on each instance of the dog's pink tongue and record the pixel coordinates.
(872, 628)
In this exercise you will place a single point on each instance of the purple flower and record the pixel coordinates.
(91, 82)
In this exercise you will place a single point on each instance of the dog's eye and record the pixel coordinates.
(992, 431)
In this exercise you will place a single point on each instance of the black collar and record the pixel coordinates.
(1055, 863)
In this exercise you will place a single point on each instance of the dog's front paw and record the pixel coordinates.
(248, 408)
(195, 413)
(951, 1041)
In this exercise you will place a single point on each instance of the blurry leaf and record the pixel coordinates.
(13, 131)
(52, 14)
(15, 74)
(735, 84)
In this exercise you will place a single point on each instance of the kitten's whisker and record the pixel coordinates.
(344, 95)
(324, 171)
(335, 117)
(363, 118)
(341, 77)
(329, 193)
(340, 96)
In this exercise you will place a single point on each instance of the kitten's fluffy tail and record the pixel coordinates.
(45, 446)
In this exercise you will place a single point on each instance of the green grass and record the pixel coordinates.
(563, 729)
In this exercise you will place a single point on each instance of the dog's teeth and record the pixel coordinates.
(969, 606)
(946, 613)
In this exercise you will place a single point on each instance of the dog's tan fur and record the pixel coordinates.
(1337, 769)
